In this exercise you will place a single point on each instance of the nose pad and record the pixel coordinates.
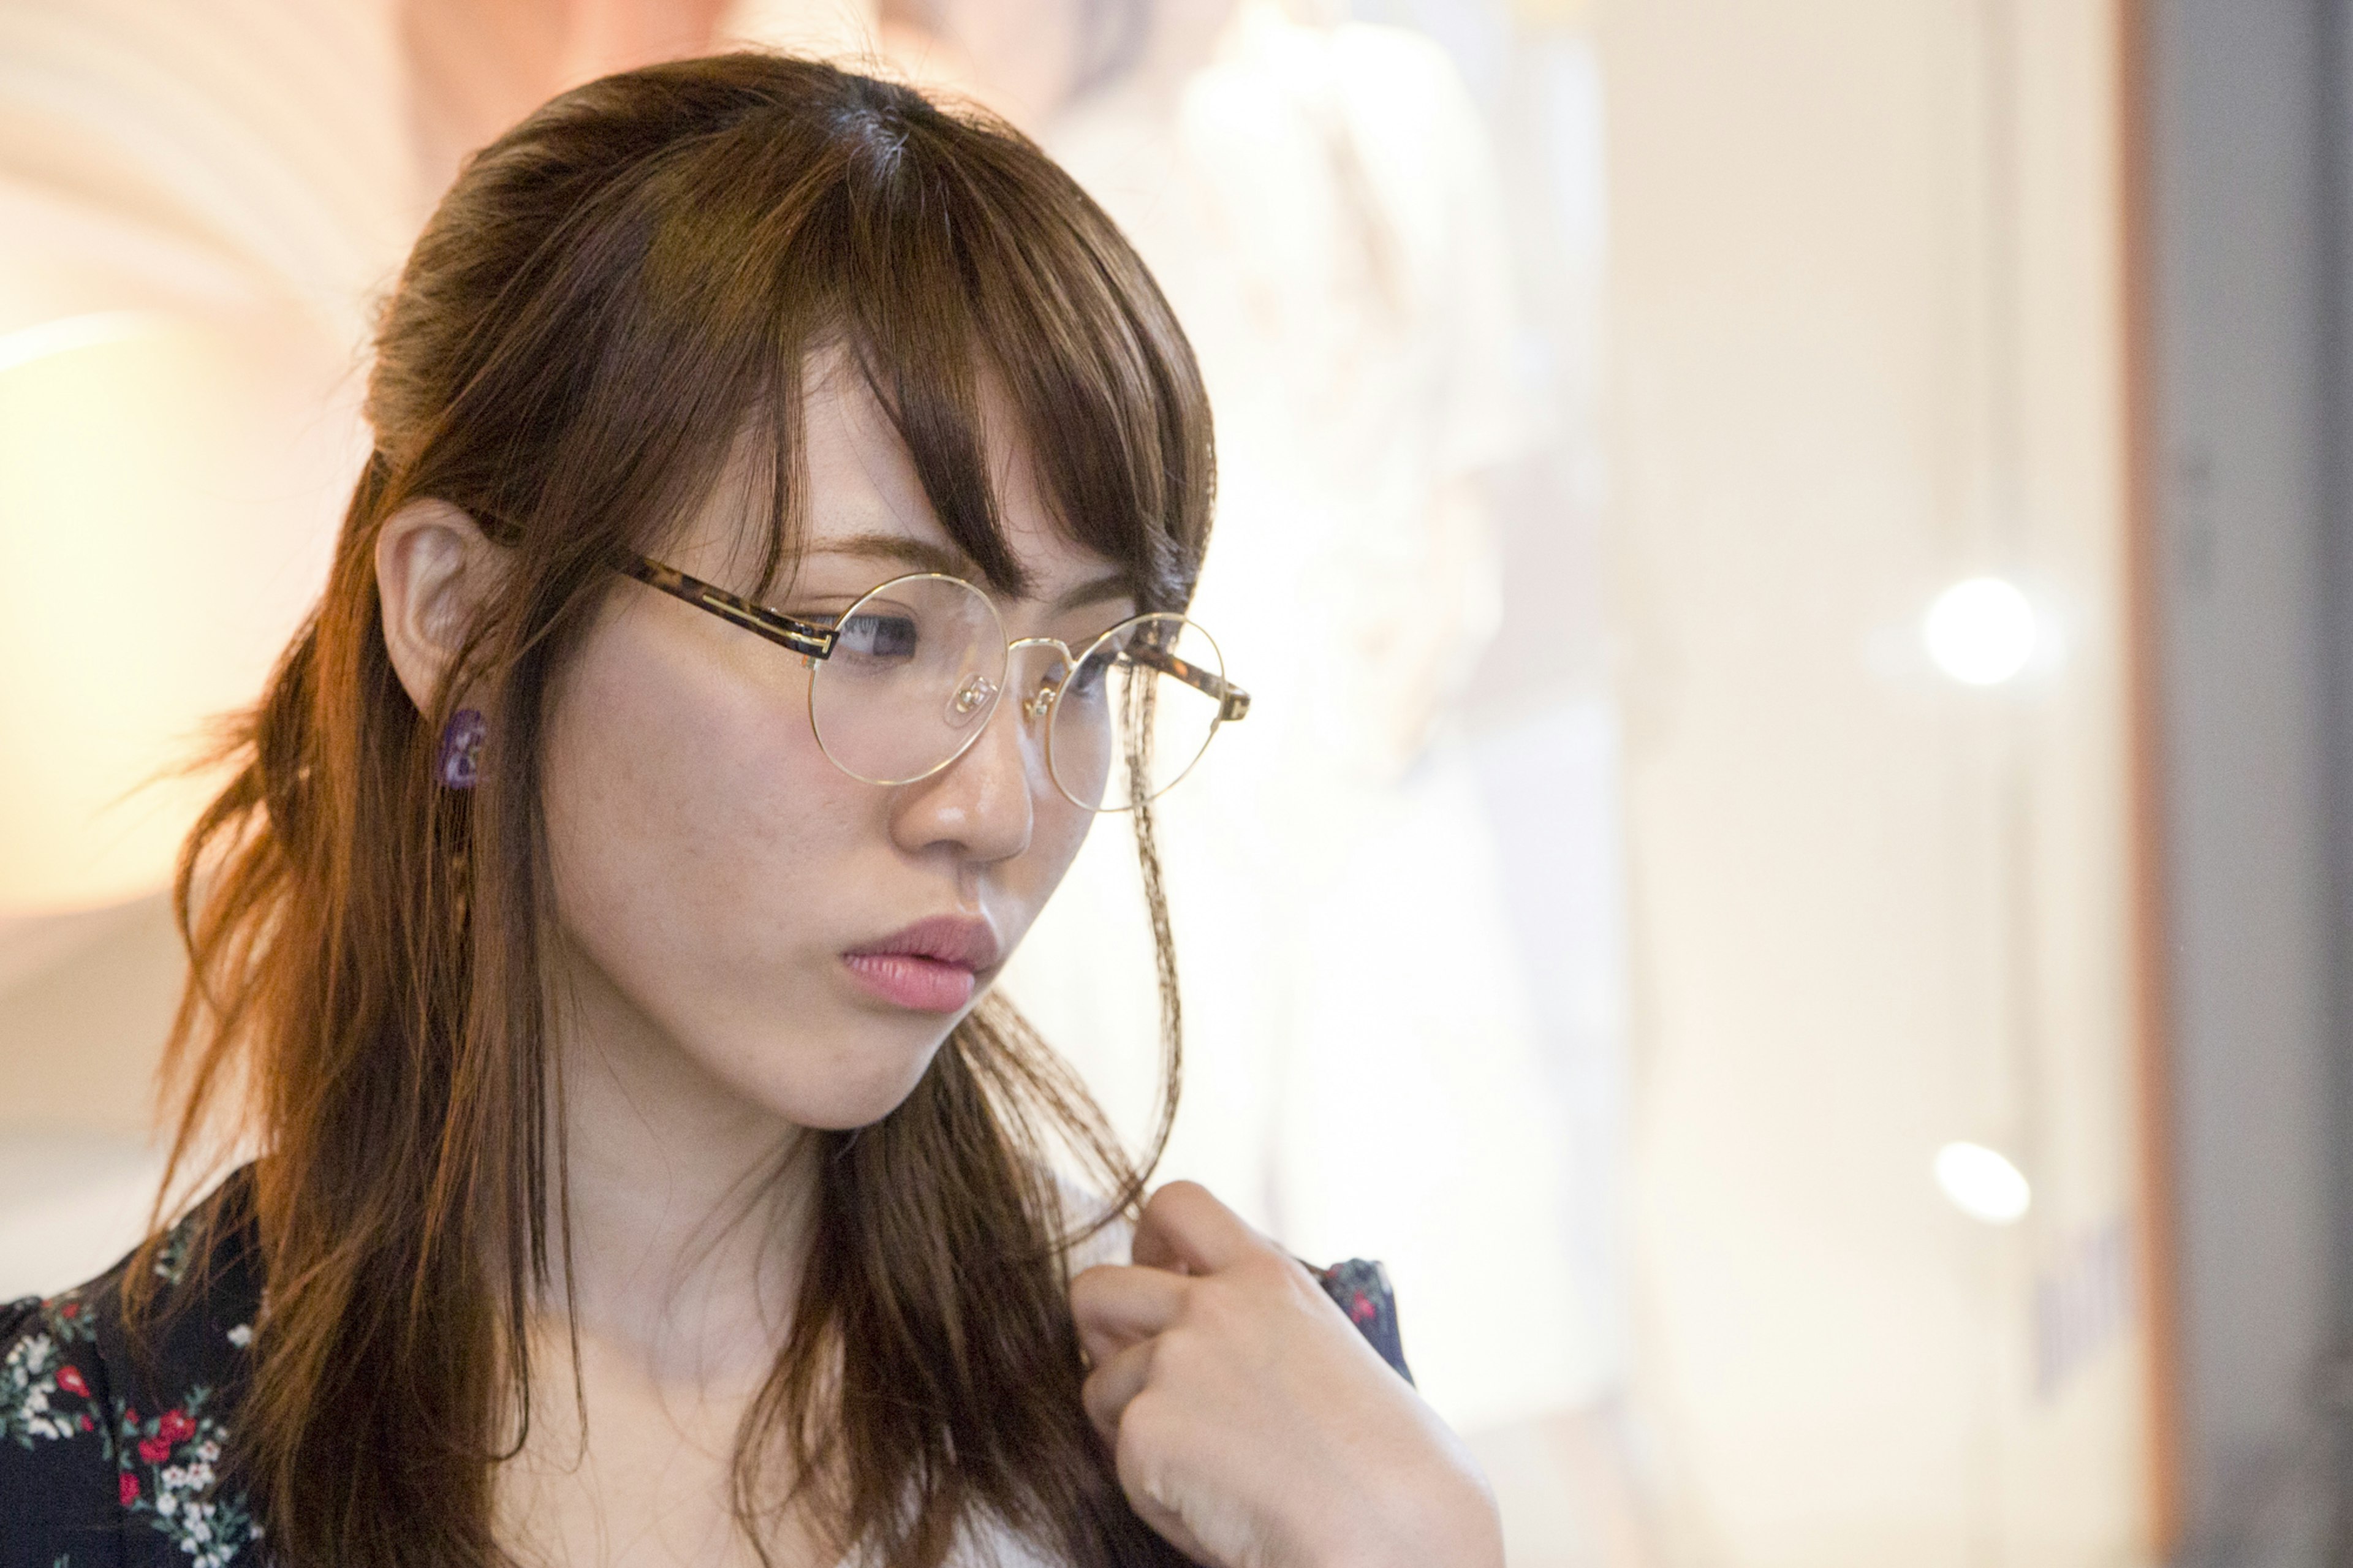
(1055, 661)
(969, 700)
(1034, 687)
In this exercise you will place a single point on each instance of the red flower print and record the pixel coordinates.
(70, 1309)
(129, 1417)
(154, 1450)
(69, 1379)
(175, 1427)
(130, 1488)
(87, 1424)
(1361, 1309)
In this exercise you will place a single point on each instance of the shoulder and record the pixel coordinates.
(111, 1434)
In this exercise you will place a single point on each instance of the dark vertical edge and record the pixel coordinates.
(2334, 107)
(2143, 659)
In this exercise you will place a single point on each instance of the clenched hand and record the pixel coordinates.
(1253, 1425)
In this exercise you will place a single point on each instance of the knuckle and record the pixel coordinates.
(1204, 1313)
(1224, 1308)
(1142, 1450)
(1175, 1199)
(1087, 1289)
(1174, 1353)
(1190, 1359)
(1097, 1399)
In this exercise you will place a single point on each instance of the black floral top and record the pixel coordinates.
(108, 1459)
(113, 1460)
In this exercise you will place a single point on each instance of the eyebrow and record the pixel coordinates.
(921, 554)
(948, 562)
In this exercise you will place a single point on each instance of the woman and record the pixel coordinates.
(772, 558)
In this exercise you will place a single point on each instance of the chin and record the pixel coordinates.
(867, 1084)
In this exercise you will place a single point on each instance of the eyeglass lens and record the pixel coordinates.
(921, 664)
(1126, 728)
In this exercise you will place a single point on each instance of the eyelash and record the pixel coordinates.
(826, 610)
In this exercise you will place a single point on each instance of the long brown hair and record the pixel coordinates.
(610, 298)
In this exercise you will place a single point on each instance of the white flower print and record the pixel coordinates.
(35, 1377)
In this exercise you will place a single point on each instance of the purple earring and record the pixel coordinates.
(461, 748)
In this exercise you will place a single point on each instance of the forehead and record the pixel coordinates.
(859, 498)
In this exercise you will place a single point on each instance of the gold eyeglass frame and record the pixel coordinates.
(814, 641)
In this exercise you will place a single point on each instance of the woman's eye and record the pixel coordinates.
(878, 635)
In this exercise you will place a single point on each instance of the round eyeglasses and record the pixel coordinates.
(903, 682)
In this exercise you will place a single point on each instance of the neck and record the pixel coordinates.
(690, 1208)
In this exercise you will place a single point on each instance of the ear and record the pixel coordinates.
(433, 568)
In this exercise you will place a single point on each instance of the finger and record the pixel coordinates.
(1147, 1470)
(1115, 1305)
(1186, 1229)
(1114, 1382)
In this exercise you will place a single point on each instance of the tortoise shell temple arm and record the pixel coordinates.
(804, 637)
(1234, 703)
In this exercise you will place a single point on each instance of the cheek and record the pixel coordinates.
(1060, 830)
(671, 790)
(698, 843)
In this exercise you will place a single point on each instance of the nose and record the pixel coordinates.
(984, 805)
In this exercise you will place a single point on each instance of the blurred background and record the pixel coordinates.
(1791, 870)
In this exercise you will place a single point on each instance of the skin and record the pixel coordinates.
(711, 868)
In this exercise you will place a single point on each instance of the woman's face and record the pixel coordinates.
(727, 895)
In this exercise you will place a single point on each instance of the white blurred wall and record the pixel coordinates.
(196, 206)
(1865, 341)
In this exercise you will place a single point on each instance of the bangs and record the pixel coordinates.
(962, 275)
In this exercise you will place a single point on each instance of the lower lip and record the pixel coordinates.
(904, 980)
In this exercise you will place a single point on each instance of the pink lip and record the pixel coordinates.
(931, 966)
